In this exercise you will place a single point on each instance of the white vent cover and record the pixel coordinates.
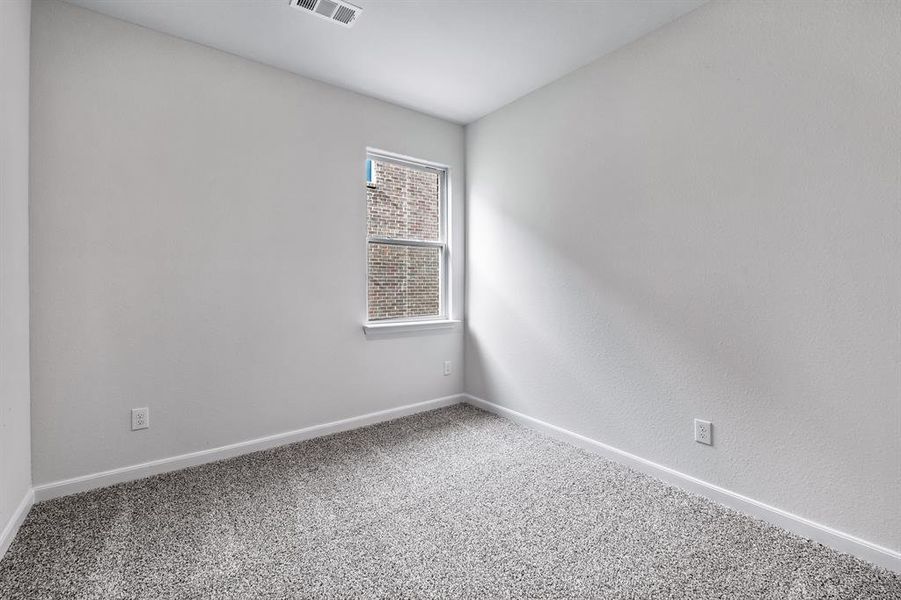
(335, 11)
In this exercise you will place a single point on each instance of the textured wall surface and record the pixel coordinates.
(403, 281)
(199, 247)
(15, 446)
(707, 223)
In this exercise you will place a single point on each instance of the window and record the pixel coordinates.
(407, 250)
(370, 172)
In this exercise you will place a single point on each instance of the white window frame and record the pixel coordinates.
(443, 244)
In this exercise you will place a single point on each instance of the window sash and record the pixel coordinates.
(392, 241)
(443, 258)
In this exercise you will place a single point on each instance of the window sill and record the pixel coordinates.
(406, 327)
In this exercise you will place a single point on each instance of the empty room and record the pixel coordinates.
(477, 299)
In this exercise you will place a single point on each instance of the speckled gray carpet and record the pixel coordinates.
(454, 503)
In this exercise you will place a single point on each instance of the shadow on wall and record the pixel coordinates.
(568, 318)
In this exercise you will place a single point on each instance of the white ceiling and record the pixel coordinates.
(455, 59)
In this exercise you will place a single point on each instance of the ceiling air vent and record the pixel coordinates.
(333, 10)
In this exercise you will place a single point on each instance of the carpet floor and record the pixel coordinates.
(453, 503)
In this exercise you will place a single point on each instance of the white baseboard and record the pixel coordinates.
(15, 521)
(84, 483)
(828, 536)
(841, 541)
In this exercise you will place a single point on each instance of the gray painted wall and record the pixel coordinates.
(198, 247)
(15, 444)
(707, 224)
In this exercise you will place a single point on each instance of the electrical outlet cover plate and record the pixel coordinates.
(447, 367)
(140, 418)
(704, 432)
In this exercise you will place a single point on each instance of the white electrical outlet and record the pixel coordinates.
(447, 367)
(140, 418)
(703, 432)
